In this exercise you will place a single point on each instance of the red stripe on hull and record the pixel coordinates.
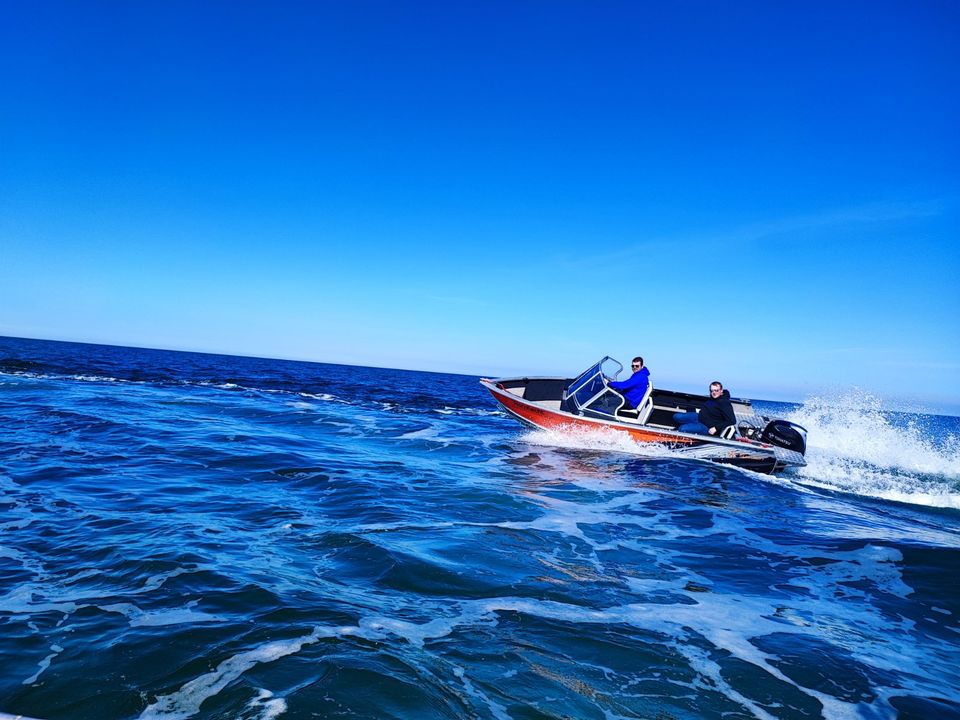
(549, 420)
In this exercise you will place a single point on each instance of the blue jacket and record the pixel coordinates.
(634, 387)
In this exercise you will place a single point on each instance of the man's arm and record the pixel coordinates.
(728, 414)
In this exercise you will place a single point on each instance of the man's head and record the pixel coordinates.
(637, 363)
(716, 388)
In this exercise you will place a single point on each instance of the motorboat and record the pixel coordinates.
(588, 403)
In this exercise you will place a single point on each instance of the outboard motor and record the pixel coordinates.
(785, 434)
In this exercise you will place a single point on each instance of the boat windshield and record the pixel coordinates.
(590, 389)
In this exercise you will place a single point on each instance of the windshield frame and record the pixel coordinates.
(591, 385)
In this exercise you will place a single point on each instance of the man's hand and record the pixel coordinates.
(712, 431)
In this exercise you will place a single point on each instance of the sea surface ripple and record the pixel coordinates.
(201, 536)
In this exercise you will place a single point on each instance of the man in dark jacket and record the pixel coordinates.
(716, 414)
(634, 387)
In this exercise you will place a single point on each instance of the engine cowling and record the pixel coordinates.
(785, 434)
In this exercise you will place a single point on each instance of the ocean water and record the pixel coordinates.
(201, 536)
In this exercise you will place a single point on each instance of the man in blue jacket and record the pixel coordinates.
(716, 414)
(634, 387)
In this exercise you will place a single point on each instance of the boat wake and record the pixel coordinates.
(853, 447)
(606, 440)
(856, 447)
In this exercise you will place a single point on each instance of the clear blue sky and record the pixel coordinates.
(765, 193)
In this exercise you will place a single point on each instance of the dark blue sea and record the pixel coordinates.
(203, 536)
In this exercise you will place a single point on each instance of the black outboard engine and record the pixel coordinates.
(785, 434)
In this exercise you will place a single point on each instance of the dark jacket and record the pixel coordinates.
(634, 387)
(718, 413)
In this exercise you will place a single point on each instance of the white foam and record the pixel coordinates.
(157, 618)
(325, 397)
(705, 667)
(474, 412)
(27, 562)
(19, 601)
(186, 702)
(155, 581)
(852, 446)
(44, 664)
(496, 709)
(855, 447)
(54, 376)
(427, 433)
(267, 706)
(728, 624)
(28, 599)
(599, 439)
(221, 385)
(378, 628)
(82, 575)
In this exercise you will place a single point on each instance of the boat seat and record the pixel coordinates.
(641, 413)
(730, 432)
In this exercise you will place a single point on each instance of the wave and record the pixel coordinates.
(478, 412)
(854, 446)
(161, 382)
(325, 397)
(55, 376)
